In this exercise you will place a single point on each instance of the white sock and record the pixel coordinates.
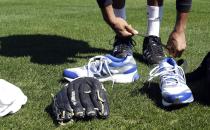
(154, 17)
(120, 12)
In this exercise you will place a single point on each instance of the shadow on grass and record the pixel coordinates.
(199, 81)
(201, 91)
(45, 49)
(200, 88)
(49, 110)
(139, 57)
(153, 92)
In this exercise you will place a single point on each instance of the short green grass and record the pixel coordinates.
(40, 38)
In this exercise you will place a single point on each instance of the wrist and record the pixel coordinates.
(111, 20)
(179, 28)
(181, 22)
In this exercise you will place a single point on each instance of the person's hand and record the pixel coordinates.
(176, 43)
(122, 28)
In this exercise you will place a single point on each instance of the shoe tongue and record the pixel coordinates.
(98, 67)
(168, 63)
(95, 66)
(167, 66)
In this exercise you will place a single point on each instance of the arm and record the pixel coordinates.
(119, 25)
(177, 41)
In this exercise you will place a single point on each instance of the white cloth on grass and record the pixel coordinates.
(11, 98)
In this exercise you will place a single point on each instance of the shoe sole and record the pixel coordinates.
(117, 78)
(189, 100)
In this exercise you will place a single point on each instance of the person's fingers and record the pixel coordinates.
(135, 32)
(171, 48)
(125, 33)
(130, 29)
(179, 53)
(173, 51)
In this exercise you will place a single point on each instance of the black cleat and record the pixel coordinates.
(122, 47)
(152, 50)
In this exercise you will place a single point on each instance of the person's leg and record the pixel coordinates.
(154, 16)
(119, 8)
(122, 45)
(152, 48)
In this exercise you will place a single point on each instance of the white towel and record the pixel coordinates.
(11, 98)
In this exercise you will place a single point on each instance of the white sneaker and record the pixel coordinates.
(105, 68)
(173, 85)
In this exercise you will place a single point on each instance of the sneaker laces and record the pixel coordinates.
(122, 42)
(123, 45)
(96, 66)
(169, 75)
(118, 41)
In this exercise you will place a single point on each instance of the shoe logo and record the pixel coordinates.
(147, 54)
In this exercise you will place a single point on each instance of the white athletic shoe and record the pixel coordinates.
(106, 68)
(173, 85)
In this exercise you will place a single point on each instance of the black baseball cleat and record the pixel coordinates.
(123, 47)
(152, 50)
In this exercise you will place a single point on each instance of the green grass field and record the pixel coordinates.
(40, 38)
